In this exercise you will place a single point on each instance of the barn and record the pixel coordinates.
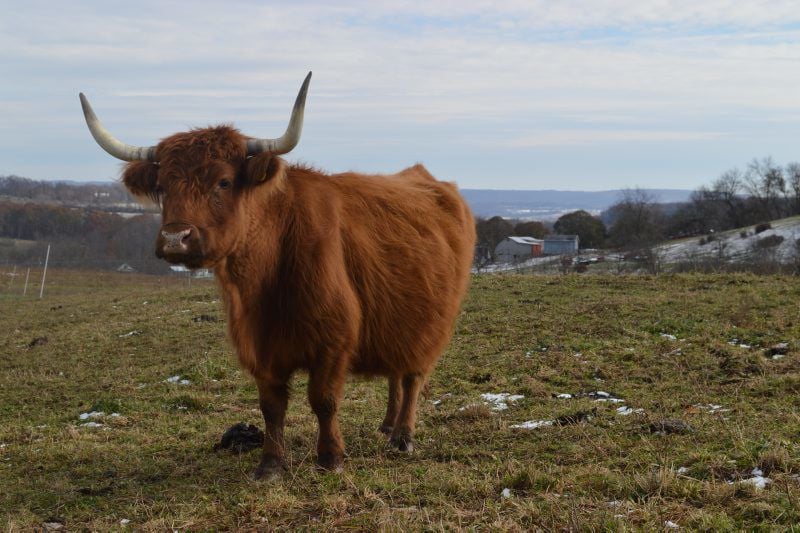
(560, 244)
(516, 249)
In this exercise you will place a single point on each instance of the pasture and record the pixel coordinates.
(675, 400)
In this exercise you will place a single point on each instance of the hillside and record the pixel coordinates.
(738, 244)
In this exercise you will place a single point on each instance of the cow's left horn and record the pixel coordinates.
(291, 136)
(109, 143)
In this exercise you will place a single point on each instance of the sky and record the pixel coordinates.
(524, 94)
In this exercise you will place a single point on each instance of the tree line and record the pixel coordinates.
(760, 192)
(80, 237)
(64, 192)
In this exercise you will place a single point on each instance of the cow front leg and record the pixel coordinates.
(273, 398)
(403, 432)
(325, 386)
(393, 406)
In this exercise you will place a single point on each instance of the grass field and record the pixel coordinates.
(687, 349)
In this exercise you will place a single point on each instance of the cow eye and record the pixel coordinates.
(224, 184)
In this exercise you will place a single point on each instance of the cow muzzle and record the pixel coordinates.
(179, 243)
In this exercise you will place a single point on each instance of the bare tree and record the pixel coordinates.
(793, 187)
(765, 182)
(638, 221)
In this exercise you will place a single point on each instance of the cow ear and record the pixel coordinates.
(141, 179)
(264, 167)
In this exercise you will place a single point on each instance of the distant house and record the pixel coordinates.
(516, 249)
(560, 244)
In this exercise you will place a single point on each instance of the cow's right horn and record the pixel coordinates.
(291, 136)
(107, 142)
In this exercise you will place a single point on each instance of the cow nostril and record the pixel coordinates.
(178, 241)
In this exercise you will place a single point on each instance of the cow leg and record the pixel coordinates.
(403, 432)
(273, 398)
(325, 387)
(393, 407)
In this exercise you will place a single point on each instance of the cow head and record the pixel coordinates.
(199, 179)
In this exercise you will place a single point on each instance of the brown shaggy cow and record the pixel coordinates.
(326, 273)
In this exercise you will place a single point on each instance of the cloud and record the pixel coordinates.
(571, 73)
(580, 137)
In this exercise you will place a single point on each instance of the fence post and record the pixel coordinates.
(25, 290)
(44, 272)
(13, 275)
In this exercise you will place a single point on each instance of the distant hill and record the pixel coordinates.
(526, 205)
(551, 204)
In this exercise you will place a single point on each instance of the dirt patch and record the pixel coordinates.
(38, 341)
(670, 426)
(575, 418)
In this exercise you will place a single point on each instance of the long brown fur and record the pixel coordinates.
(333, 274)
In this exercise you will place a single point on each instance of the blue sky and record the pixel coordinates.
(516, 95)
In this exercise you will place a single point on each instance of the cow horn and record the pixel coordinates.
(107, 142)
(291, 136)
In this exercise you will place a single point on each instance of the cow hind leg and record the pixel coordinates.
(403, 432)
(325, 387)
(393, 406)
(273, 398)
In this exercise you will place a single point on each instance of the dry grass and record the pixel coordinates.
(535, 336)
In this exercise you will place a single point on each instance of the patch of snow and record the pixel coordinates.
(93, 414)
(178, 380)
(602, 394)
(731, 245)
(500, 401)
(669, 524)
(533, 424)
(758, 480)
(683, 470)
(579, 354)
(625, 410)
(182, 408)
(778, 356)
(506, 493)
(124, 522)
(564, 396)
(141, 385)
(669, 337)
(712, 408)
(91, 425)
(130, 334)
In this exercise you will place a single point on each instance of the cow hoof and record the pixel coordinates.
(331, 463)
(386, 430)
(402, 443)
(270, 469)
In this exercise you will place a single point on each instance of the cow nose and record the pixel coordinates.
(176, 242)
